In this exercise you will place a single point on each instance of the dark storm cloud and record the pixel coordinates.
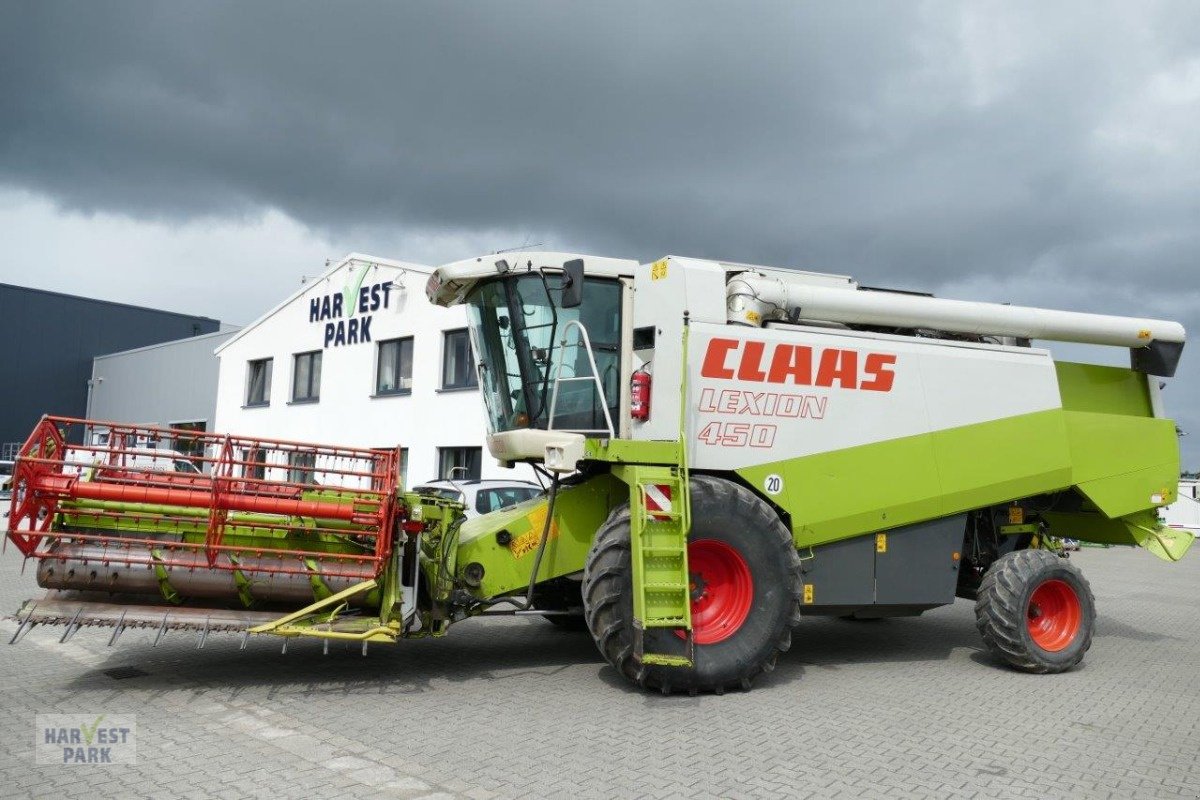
(917, 145)
(826, 133)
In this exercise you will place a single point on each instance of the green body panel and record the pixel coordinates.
(980, 465)
(1104, 441)
(874, 487)
(579, 511)
(1142, 528)
(1103, 390)
(848, 492)
(629, 451)
(1119, 462)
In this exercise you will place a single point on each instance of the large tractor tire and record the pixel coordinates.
(1036, 611)
(746, 591)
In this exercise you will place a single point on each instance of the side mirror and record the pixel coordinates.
(572, 290)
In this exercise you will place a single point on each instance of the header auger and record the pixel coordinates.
(729, 448)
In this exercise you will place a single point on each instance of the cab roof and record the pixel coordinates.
(450, 283)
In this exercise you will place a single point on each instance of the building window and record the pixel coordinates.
(393, 374)
(258, 382)
(306, 377)
(301, 467)
(459, 463)
(457, 369)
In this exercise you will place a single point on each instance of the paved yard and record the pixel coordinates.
(516, 708)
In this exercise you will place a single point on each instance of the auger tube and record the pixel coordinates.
(754, 298)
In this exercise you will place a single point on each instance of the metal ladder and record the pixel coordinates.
(658, 542)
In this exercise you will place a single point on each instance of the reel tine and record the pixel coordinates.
(118, 630)
(72, 626)
(325, 648)
(364, 648)
(283, 650)
(162, 630)
(25, 626)
(245, 640)
(203, 635)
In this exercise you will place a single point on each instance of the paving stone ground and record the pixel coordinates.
(517, 708)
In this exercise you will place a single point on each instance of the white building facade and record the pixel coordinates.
(359, 357)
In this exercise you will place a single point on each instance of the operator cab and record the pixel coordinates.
(549, 334)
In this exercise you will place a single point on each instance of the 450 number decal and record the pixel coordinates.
(737, 434)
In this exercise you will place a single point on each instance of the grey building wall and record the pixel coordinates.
(48, 341)
(160, 384)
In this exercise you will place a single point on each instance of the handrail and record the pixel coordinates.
(595, 378)
(684, 466)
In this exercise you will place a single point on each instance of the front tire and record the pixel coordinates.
(747, 586)
(1036, 611)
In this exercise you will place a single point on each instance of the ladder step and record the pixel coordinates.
(660, 550)
(662, 660)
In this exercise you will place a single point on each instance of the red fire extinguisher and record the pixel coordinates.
(639, 395)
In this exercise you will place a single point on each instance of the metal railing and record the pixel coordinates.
(594, 377)
(246, 504)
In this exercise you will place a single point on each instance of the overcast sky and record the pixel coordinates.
(203, 157)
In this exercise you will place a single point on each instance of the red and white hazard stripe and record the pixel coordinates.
(658, 500)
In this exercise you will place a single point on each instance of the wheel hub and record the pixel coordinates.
(721, 589)
(1054, 615)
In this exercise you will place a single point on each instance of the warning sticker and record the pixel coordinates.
(658, 270)
(527, 542)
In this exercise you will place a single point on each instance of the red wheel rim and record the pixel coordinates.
(1053, 615)
(721, 588)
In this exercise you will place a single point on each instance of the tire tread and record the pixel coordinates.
(1000, 610)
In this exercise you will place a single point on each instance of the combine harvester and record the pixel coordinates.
(729, 448)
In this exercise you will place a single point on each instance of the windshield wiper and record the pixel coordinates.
(535, 400)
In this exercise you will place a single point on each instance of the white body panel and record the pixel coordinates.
(935, 385)
(450, 283)
(662, 292)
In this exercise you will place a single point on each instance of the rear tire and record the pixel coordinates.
(739, 630)
(1036, 611)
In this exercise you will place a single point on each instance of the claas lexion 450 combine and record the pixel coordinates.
(728, 449)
